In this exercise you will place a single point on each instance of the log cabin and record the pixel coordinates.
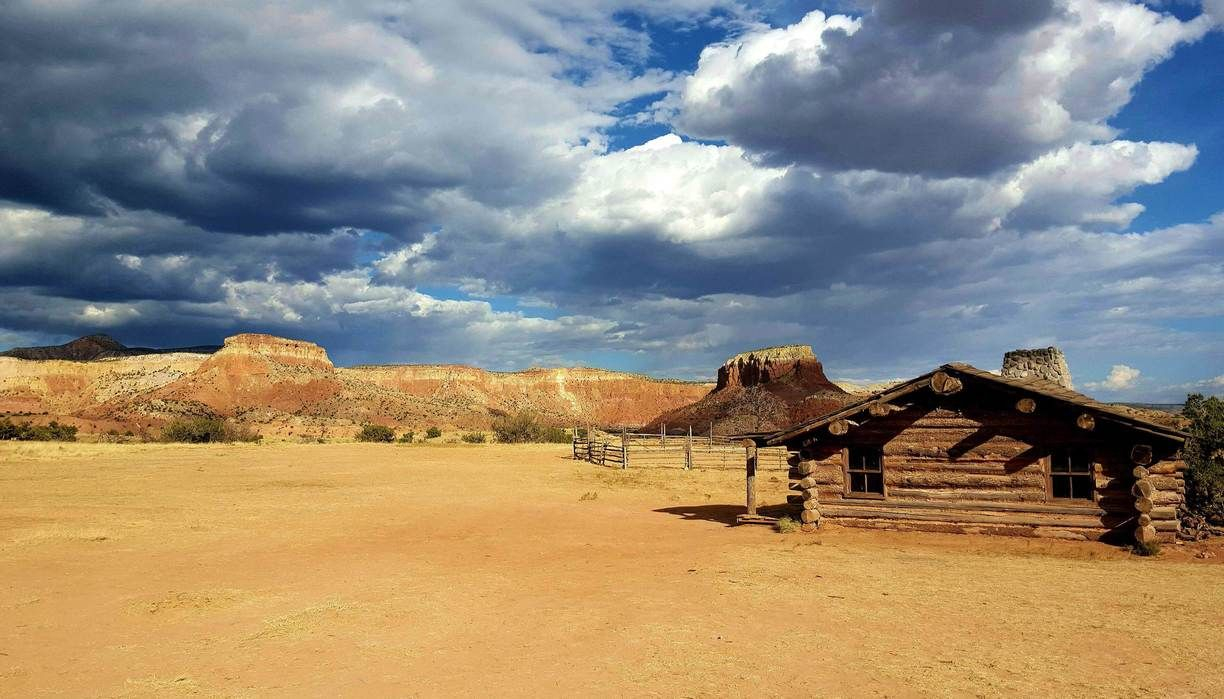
(960, 449)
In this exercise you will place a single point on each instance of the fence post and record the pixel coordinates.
(750, 464)
(574, 443)
(624, 448)
(688, 450)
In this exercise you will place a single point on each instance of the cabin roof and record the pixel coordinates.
(1033, 386)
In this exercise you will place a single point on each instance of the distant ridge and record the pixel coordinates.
(90, 347)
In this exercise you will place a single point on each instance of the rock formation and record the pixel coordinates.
(92, 347)
(291, 388)
(760, 390)
(1048, 364)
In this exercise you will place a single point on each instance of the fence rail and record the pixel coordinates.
(687, 451)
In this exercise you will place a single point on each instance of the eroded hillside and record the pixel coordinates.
(291, 388)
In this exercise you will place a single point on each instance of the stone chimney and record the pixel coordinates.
(1048, 364)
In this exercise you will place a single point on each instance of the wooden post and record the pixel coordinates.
(574, 442)
(663, 434)
(750, 465)
(711, 433)
(624, 448)
(688, 450)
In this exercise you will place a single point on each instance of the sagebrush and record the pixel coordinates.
(375, 433)
(433, 433)
(525, 427)
(474, 437)
(29, 432)
(204, 430)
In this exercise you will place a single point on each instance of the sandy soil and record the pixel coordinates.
(290, 570)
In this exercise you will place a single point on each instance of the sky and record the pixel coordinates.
(644, 185)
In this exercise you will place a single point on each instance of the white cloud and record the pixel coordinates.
(908, 89)
(1120, 378)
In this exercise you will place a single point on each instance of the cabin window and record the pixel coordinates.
(865, 471)
(1071, 474)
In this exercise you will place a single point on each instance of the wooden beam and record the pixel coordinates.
(1026, 405)
(838, 428)
(1085, 422)
(750, 465)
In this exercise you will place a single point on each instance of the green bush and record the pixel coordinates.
(526, 427)
(29, 432)
(433, 433)
(407, 437)
(1151, 548)
(474, 438)
(1204, 455)
(375, 433)
(206, 430)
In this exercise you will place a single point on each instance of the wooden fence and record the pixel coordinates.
(686, 451)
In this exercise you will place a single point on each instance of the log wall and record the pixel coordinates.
(974, 463)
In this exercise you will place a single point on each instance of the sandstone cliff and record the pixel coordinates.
(761, 390)
(291, 388)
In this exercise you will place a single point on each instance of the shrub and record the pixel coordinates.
(1204, 455)
(28, 432)
(474, 437)
(526, 427)
(433, 433)
(1146, 549)
(205, 430)
(375, 433)
(786, 525)
(407, 437)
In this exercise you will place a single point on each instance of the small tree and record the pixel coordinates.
(407, 437)
(375, 433)
(433, 433)
(1204, 455)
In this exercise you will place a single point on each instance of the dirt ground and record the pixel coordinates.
(291, 570)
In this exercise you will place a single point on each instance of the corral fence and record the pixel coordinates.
(623, 449)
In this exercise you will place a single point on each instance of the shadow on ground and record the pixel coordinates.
(725, 514)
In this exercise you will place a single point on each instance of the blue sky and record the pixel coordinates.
(641, 186)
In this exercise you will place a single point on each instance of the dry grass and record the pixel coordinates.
(222, 570)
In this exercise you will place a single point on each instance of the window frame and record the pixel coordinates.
(1094, 468)
(847, 492)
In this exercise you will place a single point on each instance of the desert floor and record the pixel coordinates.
(155, 570)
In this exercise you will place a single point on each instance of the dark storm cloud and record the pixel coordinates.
(252, 118)
(944, 88)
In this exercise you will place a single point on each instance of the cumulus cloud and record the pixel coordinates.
(919, 183)
(953, 88)
(1121, 377)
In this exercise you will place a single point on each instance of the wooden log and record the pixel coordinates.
(1026, 405)
(1141, 454)
(1143, 504)
(812, 504)
(1159, 513)
(808, 483)
(1142, 489)
(1144, 520)
(945, 384)
(811, 494)
(1145, 535)
(837, 428)
(1032, 520)
(809, 516)
(1166, 482)
(1139, 473)
(879, 409)
(1085, 422)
